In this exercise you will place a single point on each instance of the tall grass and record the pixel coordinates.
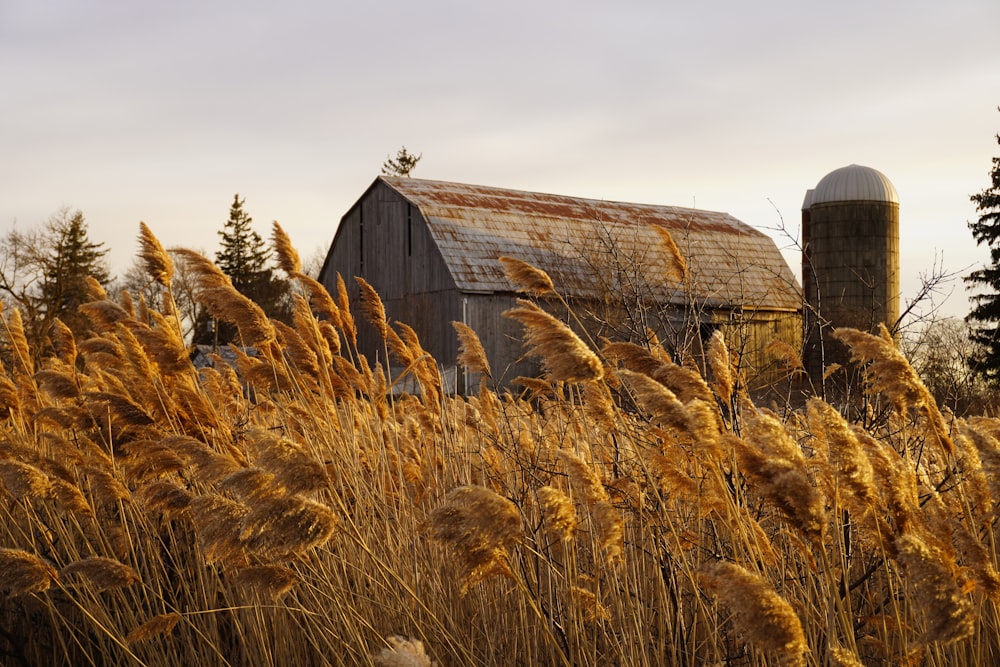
(294, 510)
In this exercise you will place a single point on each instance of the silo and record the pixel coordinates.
(850, 260)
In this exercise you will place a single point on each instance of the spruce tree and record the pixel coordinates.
(985, 315)
(242, 253)
(244, 257)
(70, 257)
(404, 163)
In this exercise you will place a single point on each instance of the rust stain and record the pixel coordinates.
(575, 239)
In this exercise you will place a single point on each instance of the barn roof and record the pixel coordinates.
(590, 247)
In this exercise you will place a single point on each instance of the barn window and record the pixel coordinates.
(361, 240)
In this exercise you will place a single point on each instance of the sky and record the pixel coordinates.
(162, 111)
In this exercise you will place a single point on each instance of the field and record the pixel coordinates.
(622, 510)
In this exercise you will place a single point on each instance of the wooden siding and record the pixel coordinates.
(502, 337)
(384, 239)
(750, 339)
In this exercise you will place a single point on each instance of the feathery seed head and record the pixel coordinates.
(721, 365)
(471, 354)
(890, 373)
(68, 498)
(589, 605)
(849, 459)
(346, 324)
(251, 484)
(24, 573)
(480, 527)
(948, 612)
(584, 479)
(270, 581)
(771, 458)
(293, 467)
(844, 657)
(528, 279)
(371, 306)
(758, 613)
(22, 363)
(105, 488)
(564, 356)
(661, 403)
(161, 624)
(63, 342)
(205, 273)
(165, 497)
(57, 384)
(610, 531)
(676, 270)
(23, 480)
(403, 652)
(286, 525)
(159, 264)
(229, 305)
(287, 256)
(217, 521)
(101, 573)
(558, 512)
(94, 290)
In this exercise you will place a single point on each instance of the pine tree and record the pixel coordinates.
(985, 315)
(244, 257)
(71, 258)
(43, 273)
(402, 165)
(242, 254)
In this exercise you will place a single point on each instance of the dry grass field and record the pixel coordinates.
(622, 510)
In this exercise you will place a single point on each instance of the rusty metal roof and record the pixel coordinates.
(592, 247)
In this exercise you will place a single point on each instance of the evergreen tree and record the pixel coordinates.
(242, 254)
(72, 257)
(402, 165)
(244, 257)
(985, 315)
(43, 272)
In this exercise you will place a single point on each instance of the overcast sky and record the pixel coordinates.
(161, 111)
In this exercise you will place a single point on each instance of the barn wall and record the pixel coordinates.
(750, 339)
(385, 240)
(748, 335)
(502, 337)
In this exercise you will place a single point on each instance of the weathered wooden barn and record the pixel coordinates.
(431, 250)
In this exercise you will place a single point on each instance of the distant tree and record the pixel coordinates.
(138, 283)
(242, 254)
(72, 258)
(402, 165)
(44, 273)
(939, 350)
(985, 315)
(245, 258)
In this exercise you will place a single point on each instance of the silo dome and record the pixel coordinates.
(853, 183)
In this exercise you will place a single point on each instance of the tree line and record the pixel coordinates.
(49, 272)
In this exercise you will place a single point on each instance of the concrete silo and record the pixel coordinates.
(850, 260)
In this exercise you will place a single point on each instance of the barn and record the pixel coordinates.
(431, 249)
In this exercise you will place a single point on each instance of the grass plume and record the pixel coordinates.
(302, 507)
